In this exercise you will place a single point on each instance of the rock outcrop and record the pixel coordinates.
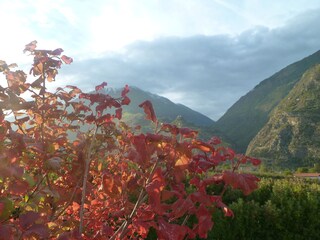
(291, 137)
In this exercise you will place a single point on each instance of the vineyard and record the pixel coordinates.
(281, 208)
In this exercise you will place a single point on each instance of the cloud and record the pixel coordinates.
(183, 58)
(206, 73)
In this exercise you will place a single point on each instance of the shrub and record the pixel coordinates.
(70, 168)
(279, 209)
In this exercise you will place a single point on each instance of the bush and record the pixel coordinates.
(71, 169)
(280, 209)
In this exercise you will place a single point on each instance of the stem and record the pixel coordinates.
(37, 187)
(142, 197)
(42, 111)
(185, 220)
(19, 126)
(223, 190)
(85, 178)
(53, 218)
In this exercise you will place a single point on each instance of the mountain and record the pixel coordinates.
(291, 137)
(251, 112)
(165, 110)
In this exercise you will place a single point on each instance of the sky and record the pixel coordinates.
(204, 54)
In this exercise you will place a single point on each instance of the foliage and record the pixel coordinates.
(314, 169)
(284, 208)
(71, 169)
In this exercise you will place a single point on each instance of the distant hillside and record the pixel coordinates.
(251, 112)
(166, 110)
(291, 137)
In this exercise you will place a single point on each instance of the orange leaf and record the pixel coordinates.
(182, 162)
(205, 147)
(75, 206)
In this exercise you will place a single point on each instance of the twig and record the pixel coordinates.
(37, 187)
(85, 178)
(53, 218)
(142, 197)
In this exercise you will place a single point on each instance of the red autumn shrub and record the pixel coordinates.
(71, 169)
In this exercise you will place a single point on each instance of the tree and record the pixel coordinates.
(71, 169)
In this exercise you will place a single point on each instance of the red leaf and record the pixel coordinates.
(245, 182)
(119, 113)
(1, 207)
(107, 118)
(57, 51)
(90, 118)
(171, 231)
(195, 181)
(154, 137)
(125, 101)
(6, 232)
(180, 207)
(215, 179)
(154, 189)
(204, 165)
(229, 153)
(255, 161)
(125, 91)
(214, 141)
(170, 128)
(145, 214)
(110, 185)
(40, 230)
(101, 86)
(227, 211)
(72, 235)
(67, 60)
(18, 187)
(188, 133)
(142, 228)
(201, 197)
(141, 147)
(73, 87)
(205, 223)
(217, 157)
(28, 219)
(148, 109)
(30, 46)
(54, 163)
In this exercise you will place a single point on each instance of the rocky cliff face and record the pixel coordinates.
(247, 116)
(291, 137)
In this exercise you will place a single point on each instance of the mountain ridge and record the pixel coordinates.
(245, 118)
(165, 109)
(291, 137)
